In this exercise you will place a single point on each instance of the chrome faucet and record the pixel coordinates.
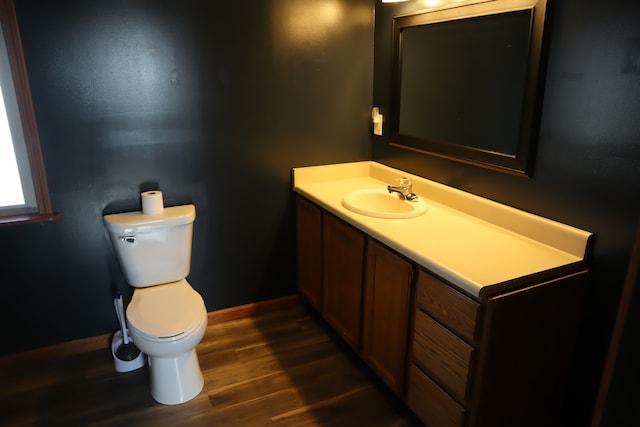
(404, 190)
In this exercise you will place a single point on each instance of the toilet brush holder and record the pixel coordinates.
(125, 365)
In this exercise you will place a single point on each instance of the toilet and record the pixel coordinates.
(167, 318)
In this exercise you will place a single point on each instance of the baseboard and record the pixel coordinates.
(246, 310)
(103, 342)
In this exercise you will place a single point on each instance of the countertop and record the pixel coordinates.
(480, 246)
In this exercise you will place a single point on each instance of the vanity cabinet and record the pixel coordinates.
(456, 359)
(494, 362)
(365, 289)
(330, 274)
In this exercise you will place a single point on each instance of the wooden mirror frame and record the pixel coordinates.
(519, 163)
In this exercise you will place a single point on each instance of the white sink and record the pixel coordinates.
(380, 204)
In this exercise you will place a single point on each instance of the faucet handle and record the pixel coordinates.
(404, 181)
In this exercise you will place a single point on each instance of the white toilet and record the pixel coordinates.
(167, 317)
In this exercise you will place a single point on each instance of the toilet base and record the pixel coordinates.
(175, 380)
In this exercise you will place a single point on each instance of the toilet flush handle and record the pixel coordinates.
(128, 239)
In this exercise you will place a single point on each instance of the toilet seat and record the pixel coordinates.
(166, 312)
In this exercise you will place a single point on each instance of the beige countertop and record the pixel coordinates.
(476, 244)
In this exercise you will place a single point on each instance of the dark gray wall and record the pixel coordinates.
(212, 102)
(586, 172)
(216, 101)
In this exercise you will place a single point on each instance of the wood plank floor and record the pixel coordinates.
(282, 368)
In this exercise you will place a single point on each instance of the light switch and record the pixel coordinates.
(377, 121)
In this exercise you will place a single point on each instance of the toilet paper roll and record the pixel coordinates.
(152, 202)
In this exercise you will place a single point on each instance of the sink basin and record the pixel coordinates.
(380, 204)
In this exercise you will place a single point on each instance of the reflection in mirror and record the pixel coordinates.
(467, 83)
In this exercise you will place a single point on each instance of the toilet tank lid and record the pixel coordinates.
(129, 222)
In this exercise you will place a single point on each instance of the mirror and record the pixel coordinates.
(468, 83)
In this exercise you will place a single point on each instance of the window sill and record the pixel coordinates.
(27, 219)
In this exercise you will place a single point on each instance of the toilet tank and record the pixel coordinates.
(153, 248)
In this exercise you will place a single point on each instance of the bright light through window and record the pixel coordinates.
(10, 187)
(24, 193)
(17, 193)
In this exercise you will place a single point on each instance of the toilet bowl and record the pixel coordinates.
(167, 322)
(167, 317)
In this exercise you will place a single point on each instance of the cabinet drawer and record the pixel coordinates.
(430, 403)
(451, 308)
(442, 355)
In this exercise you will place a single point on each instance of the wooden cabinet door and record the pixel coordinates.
(342, 256)
(386, 314)
(309, 241)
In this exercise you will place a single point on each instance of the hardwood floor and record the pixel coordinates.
(282, 368)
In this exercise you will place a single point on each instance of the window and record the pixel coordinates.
(24, 193)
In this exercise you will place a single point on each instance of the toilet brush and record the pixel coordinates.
(127, 350)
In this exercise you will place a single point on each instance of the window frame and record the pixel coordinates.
(11, 33)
